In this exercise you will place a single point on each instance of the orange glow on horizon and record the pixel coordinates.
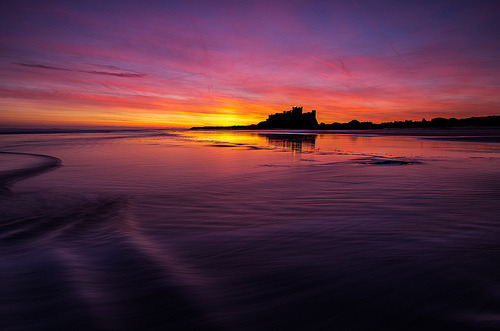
(152, 67)
(58, 113)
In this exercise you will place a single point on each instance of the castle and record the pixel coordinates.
(291, 119)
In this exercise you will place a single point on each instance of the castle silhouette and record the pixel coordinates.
(291, 119)
(296, 119)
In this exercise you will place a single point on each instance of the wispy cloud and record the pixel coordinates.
(342, 69)
(347, 59)
(379, 32)
(92, 72)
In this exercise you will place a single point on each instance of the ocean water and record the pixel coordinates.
(249, 231)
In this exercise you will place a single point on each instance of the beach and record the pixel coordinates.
(169, 229)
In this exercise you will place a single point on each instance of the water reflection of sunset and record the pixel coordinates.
(294, 142)
(189, 229)
(340, 144)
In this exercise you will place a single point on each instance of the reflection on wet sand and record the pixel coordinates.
(240, 231)
(294, 142)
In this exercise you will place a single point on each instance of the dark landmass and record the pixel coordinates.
(437, 122)
(296, 119)
(291, 119)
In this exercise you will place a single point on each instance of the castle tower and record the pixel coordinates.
(297, 111)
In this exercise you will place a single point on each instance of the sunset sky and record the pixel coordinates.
(185, 63)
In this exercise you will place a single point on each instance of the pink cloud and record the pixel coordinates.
(259, 57)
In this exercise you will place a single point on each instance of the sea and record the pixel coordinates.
(246, 230)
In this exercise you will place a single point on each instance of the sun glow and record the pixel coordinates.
(189, 71)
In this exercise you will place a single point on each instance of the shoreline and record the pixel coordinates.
(9, 176)
(487, 134)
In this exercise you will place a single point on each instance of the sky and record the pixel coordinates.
(190, 63)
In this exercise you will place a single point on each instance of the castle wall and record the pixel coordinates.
(294, 118)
